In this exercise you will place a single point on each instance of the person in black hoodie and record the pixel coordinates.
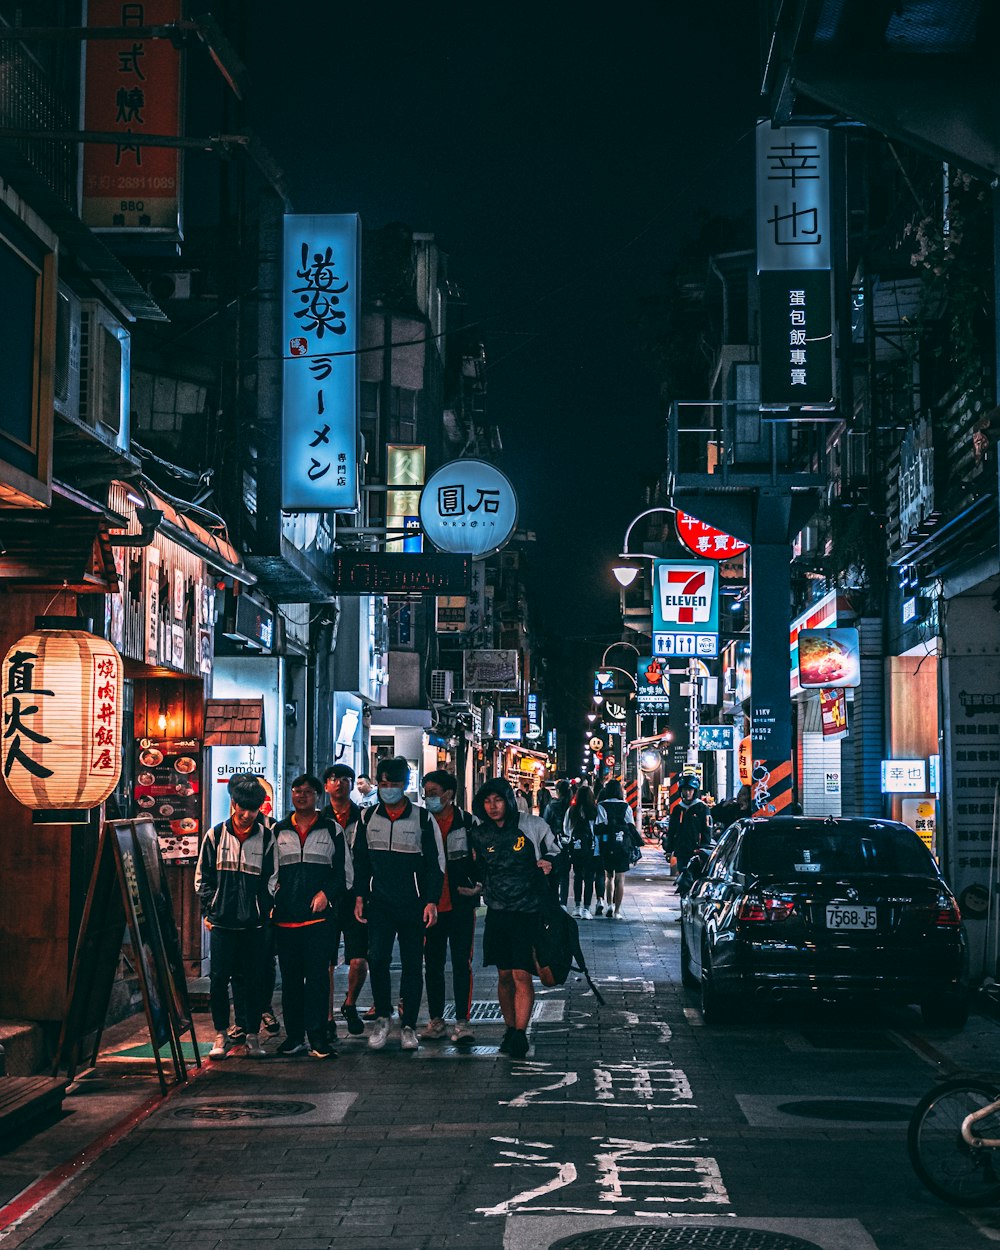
(232, 880)
(399, 865)
(313, 871)
(511, 852)
(456, 913)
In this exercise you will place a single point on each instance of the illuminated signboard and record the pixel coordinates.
(468, 506)
(705, 540)
(405, 464)
(398, 573)
(904, 777)
(509, 728)
(652, 693)
(716, 737)
(320, 323)
(685, 608)
(829, 657)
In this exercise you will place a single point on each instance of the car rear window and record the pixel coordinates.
(802, 851)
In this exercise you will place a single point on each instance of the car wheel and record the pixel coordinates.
(945, 1011)
(716, 1008)
(688, 979)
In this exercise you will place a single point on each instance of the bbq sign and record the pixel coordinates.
(685, 608)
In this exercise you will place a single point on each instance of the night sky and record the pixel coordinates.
(562, 155)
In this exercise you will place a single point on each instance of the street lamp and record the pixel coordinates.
(611, 647)
(626, 570)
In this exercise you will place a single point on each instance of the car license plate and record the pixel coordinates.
(849, 916)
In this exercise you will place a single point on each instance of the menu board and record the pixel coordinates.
(168, 792)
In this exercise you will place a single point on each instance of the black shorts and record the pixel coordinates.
(355, 936)
(508, 939)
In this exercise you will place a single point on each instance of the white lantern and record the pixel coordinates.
(62, 719)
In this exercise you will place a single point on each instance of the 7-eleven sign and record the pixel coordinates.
(685, 607)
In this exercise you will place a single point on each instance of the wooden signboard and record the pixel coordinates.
(128, 897)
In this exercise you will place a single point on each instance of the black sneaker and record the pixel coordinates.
(321, 1049)
(518, 1046)
(355, 1025)
(290, 1048)
(505, 1044)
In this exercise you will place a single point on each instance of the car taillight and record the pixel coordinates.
(946, 913)
(759, 909)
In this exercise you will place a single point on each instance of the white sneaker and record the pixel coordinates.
(254, 1048)
(578, 911)
(433, 1030)
(379, 1034)
(585, 914)
(221, 1047)
(462, 1033)
(408, 1039)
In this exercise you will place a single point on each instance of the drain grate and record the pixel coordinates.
(490, 1013)
(857, 1109)
(639, 1237)
(823, 1039)
(245, 1109)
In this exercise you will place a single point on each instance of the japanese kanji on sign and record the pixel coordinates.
(469, 507)
(62, 718)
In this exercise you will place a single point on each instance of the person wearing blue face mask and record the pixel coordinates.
(456, 922)
(398, 878)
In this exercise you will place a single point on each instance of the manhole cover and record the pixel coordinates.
(824, 1040)
(245, 1109)
(846, 1109)
(638, 1237)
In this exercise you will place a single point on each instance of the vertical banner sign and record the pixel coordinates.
(833, 713)
(794, 266)
(405, 464)
(132, 88)
(321, 314)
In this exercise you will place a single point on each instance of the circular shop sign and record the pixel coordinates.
(468, 507)
(705, 540)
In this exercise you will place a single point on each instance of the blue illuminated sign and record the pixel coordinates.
(320, 297)
(468, 507)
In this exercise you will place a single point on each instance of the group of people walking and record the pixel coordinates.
(372, 876)
(600, 843)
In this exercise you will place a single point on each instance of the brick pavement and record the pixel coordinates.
(631, 1111)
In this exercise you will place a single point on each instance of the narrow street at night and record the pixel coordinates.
(792, 1122)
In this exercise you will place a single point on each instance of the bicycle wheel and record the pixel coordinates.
(961, 1174)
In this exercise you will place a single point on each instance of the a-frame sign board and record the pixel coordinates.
(128, 896)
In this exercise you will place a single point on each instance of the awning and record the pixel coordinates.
(234, 722)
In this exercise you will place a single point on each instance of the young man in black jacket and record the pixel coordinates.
(456, 913)
(313, 872)
(399, 872)
(232, 880)
(338, 781)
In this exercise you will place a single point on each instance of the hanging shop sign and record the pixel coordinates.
(745, 761)
(405, 467)
(833, 714)
(490, 670)
(468, 507)
(534, 729)
(62, 716)
(794, 238)
(685, 608)
(705, 540)
(398, 573)
(822, 615)
(320, 295)
(132, 88)
(829, 657)
(904, 777)
(509, 728)
(716, 737)
(652, 692)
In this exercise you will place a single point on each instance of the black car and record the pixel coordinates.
(800, 907)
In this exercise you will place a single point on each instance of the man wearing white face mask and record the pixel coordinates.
(456, 922)
(398, 877)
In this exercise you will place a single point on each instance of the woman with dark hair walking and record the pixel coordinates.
(512, 855)
(618, 838)
(579, 828)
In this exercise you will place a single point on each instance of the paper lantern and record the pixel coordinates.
(62, 719)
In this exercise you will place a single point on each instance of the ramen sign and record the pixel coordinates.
(705, 540)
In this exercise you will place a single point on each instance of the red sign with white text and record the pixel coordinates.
(705, 540)
(132, 88)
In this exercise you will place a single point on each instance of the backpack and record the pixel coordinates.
(556, 949)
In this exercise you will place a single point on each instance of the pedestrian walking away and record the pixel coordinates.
(313, 872)
(512, 855)
(618, 838)
(400, 873)
(579, 827)
(555, 815)
(455, 930)
(338, 781)
(232, 880)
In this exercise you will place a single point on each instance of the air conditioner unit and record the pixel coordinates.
(67, 365)
(105, 367)
(442, 685)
